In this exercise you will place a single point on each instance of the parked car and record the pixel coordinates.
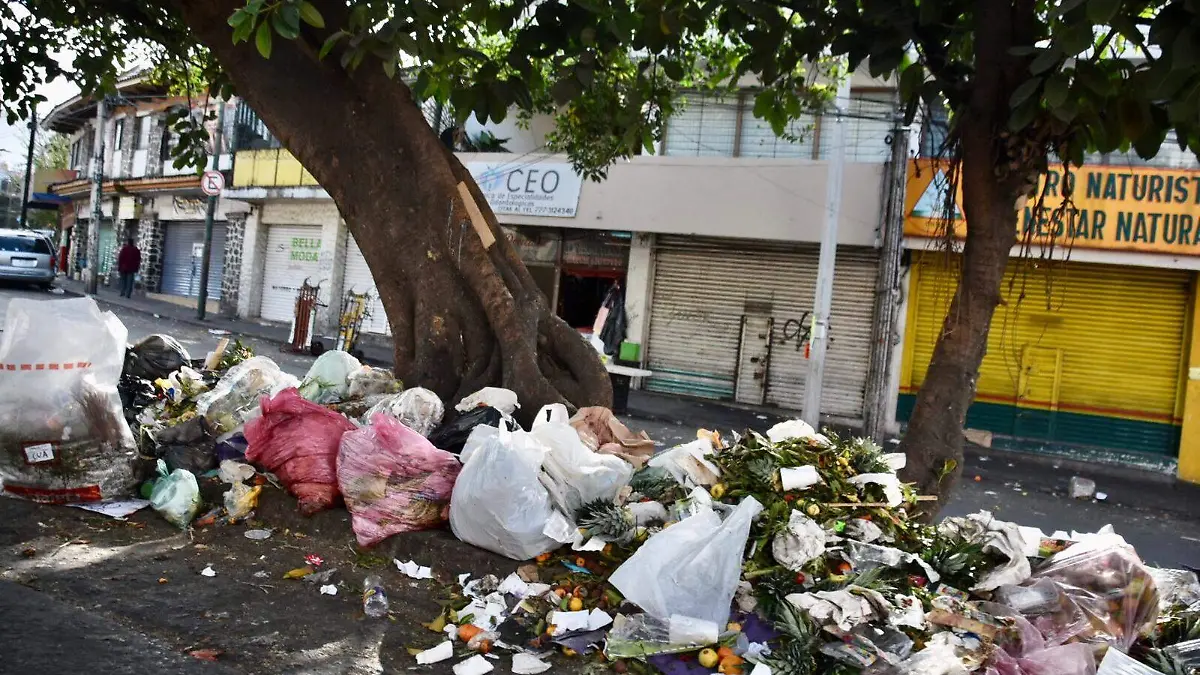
(26, 256)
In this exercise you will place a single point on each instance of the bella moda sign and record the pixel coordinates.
(523, 188)
(1115, 208)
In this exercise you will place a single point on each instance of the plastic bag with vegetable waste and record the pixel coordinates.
(368, 381)
(175, 496)
(235, 398)
(156, 356)
(452, 436)
(63, 432)
(504, 400)
(298, 441)
(640, 635)
(393, 480)
(499, 502)
(709, 549)
(328, 379)
(419, 409)
(575, 475)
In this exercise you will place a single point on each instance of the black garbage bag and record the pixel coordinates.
(452, 436)
(154, 357)
(188, 445)
(136, 395)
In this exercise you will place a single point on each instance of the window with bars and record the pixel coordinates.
(708, 126)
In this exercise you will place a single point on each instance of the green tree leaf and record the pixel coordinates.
(1024, 91)
(1102, 11)
(1044, 61)
(262, 40)
(1058, 87)
(311, 15)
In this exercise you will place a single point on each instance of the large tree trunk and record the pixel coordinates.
(996, 171)
(463, 316)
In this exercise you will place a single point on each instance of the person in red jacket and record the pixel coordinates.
(129, 259)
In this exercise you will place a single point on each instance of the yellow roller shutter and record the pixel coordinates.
(1078, 353)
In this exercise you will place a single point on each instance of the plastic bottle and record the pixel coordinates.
(375, 602)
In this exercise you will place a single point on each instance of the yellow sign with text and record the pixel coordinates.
(1115, 208)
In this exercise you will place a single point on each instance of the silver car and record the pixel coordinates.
(26, 256)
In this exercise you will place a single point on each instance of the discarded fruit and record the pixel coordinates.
(550, 628)
(801, 578)
(579, 592)
(813, 510)
(731, 665)
(724, 653)
(298, 573)
(708, 658)
(543, 557)
(205, 654)
(162, 580)
(733, 627)
(580, 562)
(717, 491)
(843, 567)
(484, 646)
(567, 651)
(560, 592)
(468, 631)
(575, 605)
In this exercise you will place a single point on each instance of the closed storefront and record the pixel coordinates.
(183, 258)
(357, 279)
(729, 319)
(108, 247)
(293, 254)
(1079, 354)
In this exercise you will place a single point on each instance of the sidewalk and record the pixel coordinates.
(375, 354)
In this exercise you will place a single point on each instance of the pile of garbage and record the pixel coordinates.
(789, 553)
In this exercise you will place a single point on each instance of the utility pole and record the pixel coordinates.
(92, 278)
(28, 171)
(202, 302)
(823, 298)
(887, 289)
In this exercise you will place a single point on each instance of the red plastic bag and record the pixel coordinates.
(394, 480)
(298, 441)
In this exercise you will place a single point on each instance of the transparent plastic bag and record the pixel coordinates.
(419, 409)
(504, 400)
(235, 398)
(63, 433)
(1107, 580)
(499, 503)
(691, 568)
(368, 381)
(575, 475)
(640, 635)
(328, 379)
(393, 480)
(298, 441)
(175, 496)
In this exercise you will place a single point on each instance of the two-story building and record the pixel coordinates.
(143, 195)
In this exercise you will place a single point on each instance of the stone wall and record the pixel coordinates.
(128, 137)
(150, 238)
(154, 161)
(235, 231)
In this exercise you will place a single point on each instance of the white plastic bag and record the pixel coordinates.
(499, 503)
(328, 379)
(419, 409)
(63, 434)
(688, 463)
(235, 398)
(691, 568)
(574, 474)
(176, 496)
(504, 400)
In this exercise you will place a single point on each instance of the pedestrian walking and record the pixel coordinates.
(129, 259)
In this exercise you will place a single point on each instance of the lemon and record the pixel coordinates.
(708, 658)
(576, 604)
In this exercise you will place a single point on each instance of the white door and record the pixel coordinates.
(357, 278)
(293, 255)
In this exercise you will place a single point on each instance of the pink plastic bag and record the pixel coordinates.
(1024, 651)
(394, 480)
(298, 441)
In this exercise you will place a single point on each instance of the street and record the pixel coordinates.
(110, 595)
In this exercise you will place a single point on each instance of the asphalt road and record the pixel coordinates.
(198, 341)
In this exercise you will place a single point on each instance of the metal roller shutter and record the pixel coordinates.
(356, 276)
(1095, 361)
(292, 256)
(704, 287)
(182, 259)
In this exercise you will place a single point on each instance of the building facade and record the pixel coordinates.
(714, 241)
(144, 197)
(1092, 350)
